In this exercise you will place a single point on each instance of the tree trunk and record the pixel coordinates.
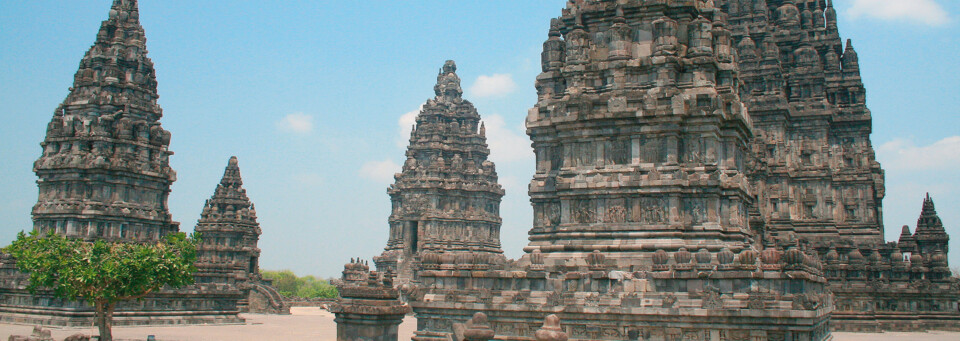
(103, 319)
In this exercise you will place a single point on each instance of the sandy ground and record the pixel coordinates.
(931, 336)
(302, 324)
(315, 324)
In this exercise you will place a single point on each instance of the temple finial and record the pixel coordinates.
(448, 83)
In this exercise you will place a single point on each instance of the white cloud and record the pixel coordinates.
(405, 123)
(905, 155)
(380, 171)
(298, 123)
(505, 144)
(492, 86)
(923, 12)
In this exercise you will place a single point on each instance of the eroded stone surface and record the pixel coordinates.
(641, 196)
(815, 173)
(695, 162)
(228, 255)
(369, 307)
(446, 200)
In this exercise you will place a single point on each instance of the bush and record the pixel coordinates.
(289, 285)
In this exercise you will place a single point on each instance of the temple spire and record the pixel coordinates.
(109, 124)
(230, 199)
(447, 147)
(229, 232)
(929, 220)
(231, 175)
(448, 83)
(116, 70)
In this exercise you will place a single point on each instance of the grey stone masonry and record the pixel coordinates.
(639, 133)
(105, 171)
(369, 307)
(446, 200)
(813, 165)
(228, 253)
(105, 175)
(641, 198)
(815, 175)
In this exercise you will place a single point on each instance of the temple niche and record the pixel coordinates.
(446, 200)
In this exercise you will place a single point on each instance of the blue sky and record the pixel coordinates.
(315, 98)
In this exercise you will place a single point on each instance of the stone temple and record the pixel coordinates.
(815, 174)
(446, 201)
(228, 254)
(105, 175)
(704, 171)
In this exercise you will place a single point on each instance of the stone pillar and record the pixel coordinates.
(368, 311)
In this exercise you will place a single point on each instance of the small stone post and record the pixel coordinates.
(367, 310)
(478, 329)
(551, 330)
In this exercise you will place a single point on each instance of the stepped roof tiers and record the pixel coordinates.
(814, 171)
(105, 171)
(895, 286)
(640, 197)
(105, 175)
(228, 253)
(230, 231)
(814, 168)
(639, 132)
(446, 200)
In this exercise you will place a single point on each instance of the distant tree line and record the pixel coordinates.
(290, 286)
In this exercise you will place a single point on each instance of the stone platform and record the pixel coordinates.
(315, 324)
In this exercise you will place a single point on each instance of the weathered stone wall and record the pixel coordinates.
(369, 307)
(815, 173)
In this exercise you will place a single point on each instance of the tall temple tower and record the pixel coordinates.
(930, 237)
(229, 230)
(105, 171)
(641, 197)
(639, 133)
(228, 253)
(815, 174)
(105, 175)
(446, 199)
(813, 165)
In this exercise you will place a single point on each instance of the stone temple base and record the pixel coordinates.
(686, 301)
(164, 308)
(590, 323)
(878, 322)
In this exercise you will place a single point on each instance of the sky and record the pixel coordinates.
(316, 99)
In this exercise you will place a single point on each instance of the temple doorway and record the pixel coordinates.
(411, 235)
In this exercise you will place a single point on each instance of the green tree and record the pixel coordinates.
(285, 281)
(289, 285)
(104, 273)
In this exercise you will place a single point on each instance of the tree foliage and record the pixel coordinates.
(289, 285)
(104, 273)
